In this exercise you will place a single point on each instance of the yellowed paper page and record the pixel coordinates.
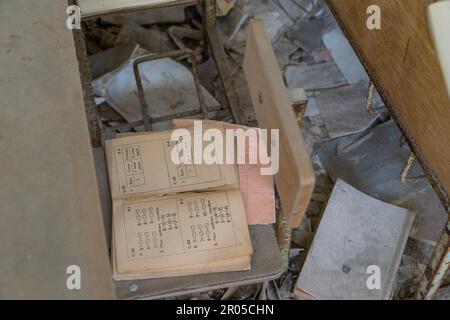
(140, 165)
(228, 265)
(188, 229)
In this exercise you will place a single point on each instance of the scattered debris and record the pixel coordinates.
(110, 59)
(328, 87)
(372, 162)
(275, 20)
(168, 85)
(172, 14)
(337, 106)
(307, 33)
(315, 76)
(344, 56)
(431, 216)
(178, 34)
(152, 40)
(223, 7)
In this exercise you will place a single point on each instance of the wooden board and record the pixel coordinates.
(93, 8)
(49, 204)
(295, 179)
(401, 60)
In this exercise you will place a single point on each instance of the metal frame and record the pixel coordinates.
(147, 120)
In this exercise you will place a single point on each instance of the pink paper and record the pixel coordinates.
(256, 189)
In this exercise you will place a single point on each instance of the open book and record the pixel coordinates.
(173, 219)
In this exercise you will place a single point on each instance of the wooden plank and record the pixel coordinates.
(93, 8)
(401, 60)
(295, 179)
(49, 203)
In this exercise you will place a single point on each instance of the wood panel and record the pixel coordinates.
(295, 179)
(93, 8)
(49, 204)
(401, 61)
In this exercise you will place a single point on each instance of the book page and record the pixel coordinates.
(190, 229)
(226, 265)
(141, 165)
